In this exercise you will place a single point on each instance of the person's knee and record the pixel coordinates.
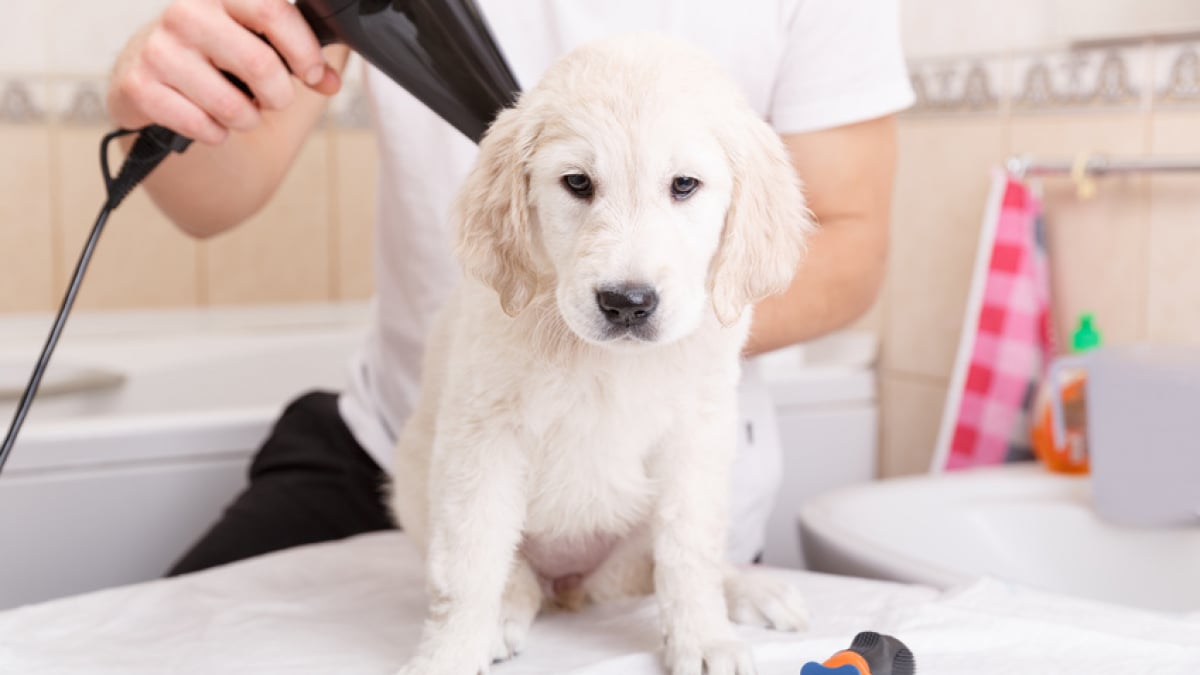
(307, 438)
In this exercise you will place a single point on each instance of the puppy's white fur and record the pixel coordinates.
(552, 455)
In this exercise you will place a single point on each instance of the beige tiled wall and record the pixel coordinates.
(310, 243)
(27, 263)
(1128, 254)
(940, 184)
(286, 252)
(354, 164)
(1173, 284)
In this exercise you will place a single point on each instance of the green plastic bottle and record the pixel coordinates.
(1086, 336)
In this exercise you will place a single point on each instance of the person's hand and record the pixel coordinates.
(169, 73)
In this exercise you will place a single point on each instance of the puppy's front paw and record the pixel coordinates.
(440, 666)
(440, 657)
(509, 639)
(411, 668)
(756, 599)
(726, 656)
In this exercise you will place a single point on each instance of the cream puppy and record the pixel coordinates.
(578, 411)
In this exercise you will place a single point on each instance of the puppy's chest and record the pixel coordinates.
(588, 445)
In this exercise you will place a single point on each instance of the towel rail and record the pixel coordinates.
(1101, 165)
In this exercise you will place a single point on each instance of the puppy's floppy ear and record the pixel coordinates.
(766, 226)
(494, 237)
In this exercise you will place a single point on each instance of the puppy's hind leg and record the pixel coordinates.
(755, 598)
(627, 572)
(408, 488)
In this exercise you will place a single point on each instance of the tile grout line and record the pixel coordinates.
(333, 221)
(914, 377)
(57, 226)
(203, 298)
(1155, 53)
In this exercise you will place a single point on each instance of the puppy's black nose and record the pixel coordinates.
(627, 305)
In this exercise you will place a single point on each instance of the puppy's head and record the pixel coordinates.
(636, 185)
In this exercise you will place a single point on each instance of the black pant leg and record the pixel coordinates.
(310, 482)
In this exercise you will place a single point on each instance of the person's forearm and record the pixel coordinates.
(848, 173)
(838, 281)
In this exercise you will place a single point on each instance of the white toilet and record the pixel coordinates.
(825, 396)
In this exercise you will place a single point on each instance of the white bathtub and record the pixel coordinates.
(108, 486)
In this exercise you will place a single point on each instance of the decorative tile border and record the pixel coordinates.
(1113, 78)
(1137, 76)
(39, 100)
(1105, 78)
(1177, 74)
(79, 102)
(19, 103)
(970, 86)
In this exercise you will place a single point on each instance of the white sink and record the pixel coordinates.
(1016, 523)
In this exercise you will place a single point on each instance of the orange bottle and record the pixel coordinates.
(1071, 456)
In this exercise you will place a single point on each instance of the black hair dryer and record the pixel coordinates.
(441, 51)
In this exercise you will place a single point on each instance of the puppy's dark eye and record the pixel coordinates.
(579, 184)
(683, 187)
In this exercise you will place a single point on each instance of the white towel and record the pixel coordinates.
(356, 607)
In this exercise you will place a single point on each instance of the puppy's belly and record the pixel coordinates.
(562, 563)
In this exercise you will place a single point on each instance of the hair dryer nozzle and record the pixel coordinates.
(441, 51)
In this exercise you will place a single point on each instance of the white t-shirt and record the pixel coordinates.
(803, 64)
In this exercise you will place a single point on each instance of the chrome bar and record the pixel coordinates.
(1102, 165)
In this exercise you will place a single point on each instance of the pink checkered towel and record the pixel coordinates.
(1007, 339)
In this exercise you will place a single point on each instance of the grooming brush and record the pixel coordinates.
(869, 654)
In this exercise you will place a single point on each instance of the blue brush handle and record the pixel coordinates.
(814, 668)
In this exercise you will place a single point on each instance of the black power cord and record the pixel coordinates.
(152, 146)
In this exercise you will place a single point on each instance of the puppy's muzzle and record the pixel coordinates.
(627, 305)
